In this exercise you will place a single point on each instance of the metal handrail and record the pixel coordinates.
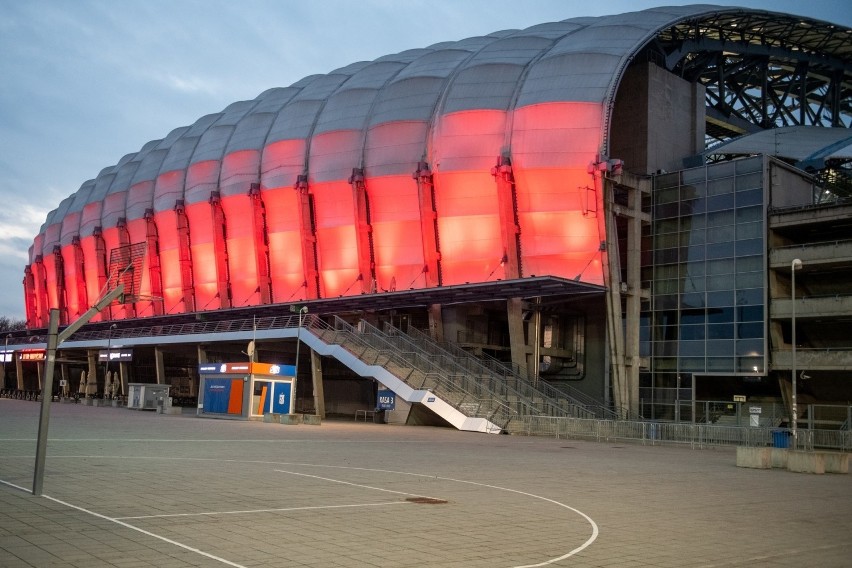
(416, 369)
(587, 408)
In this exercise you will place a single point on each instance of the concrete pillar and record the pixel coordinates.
(436, 323)
(159, 366)
(40, 372)
(517, 337)
(19, 372)
(202, 358)
(123, 371)
(316, 376)
(92, 374)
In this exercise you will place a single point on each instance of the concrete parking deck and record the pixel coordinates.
(131, 489)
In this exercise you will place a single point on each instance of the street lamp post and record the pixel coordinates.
(796, 265)
(302, 311)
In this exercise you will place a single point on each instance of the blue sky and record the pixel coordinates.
(84, 82)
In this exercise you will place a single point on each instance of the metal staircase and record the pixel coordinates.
(414, 376)
(545, 398)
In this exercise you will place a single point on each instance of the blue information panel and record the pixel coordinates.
(217, 393)
(386, 400)
(281, 398)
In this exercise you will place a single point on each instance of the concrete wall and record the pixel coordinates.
(660, 120)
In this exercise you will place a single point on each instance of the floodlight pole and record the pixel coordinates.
(54, 339)
(796, 264)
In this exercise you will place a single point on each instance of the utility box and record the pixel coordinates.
(147, 396)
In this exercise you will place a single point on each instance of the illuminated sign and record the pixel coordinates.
(31, 355)
(246, 368)
(105, 355)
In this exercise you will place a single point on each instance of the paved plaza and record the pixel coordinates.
(133, 489)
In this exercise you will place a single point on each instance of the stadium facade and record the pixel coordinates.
(589, 208)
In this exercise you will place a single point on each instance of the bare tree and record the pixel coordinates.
(9, 324)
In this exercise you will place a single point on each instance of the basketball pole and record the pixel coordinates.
(54, 339)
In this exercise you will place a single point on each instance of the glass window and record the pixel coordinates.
(691, 223)
(720, 282)
(692, 349)
(750, 364)
(720, 331)
(692, 254)
(724, 266)
(721, 364)
(750, 181)
(695, 176)
(665, 210)
(752, 330)
(720, 348)
(695, 237)
(720, 299)
(719, 202)
(749, 263)
(693, 191)
(749, 214)
(665, 348)
(750, 246)
(750, 197)
(692, 269)
(750, 347)
(750, 231)
(720, 185)
(720, 250)
(665, 363)
(749, 165)
(693, 207)
(693, 332)
(749, 280)
(665, 226)
(720, 315)
(692, 300)
(692, 364)
(721, 234)
(725, 169)
(719, 218)
(692, 317)
(668, 195)
(750, 313)
(752, 296)
(667, 180)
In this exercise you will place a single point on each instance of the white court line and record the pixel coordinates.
(131, 527)
(264, 510)
(586, 544)
(356, 484)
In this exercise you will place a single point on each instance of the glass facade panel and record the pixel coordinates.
(707, 313)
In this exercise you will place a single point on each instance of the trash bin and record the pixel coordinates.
(781, 438)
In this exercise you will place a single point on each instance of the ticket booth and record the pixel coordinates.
(245, 390)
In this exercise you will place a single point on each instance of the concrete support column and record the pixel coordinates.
(202, 358)
(19, 372)
(123, 373)
(316, 376)
(40, 371)
(517, 337)
(92, 374)
(436, 323)
(159, 366)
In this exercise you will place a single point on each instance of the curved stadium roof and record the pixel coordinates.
(323, 126)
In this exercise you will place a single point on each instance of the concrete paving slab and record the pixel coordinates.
(134, 489)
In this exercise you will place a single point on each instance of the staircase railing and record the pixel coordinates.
(416, 369)
(577, 403)
(528, 400)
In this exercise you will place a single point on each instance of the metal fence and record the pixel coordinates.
(693, 435)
